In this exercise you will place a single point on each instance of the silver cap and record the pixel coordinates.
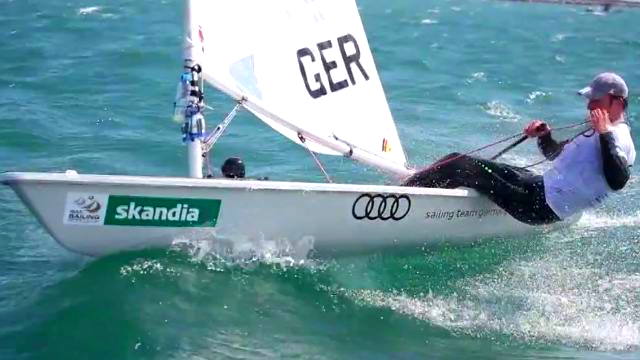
(603, 84)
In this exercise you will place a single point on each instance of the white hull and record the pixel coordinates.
(324, 217)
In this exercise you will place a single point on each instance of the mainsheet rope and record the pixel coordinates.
(303, 140)
(518, 135)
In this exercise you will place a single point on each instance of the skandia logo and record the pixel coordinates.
(155, 211)
(135, 212)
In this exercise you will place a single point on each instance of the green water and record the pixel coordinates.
(92, 90)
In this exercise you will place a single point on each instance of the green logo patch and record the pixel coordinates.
(155, 211)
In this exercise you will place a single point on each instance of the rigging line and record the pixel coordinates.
(557, 152)
(508, 148)
(450, 159)
(315, 158)
(207, 161)
(525, 137)
(453, 158)
(213, 137)
(535, 163)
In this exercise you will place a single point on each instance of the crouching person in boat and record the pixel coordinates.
(585, 170)
(233, 168)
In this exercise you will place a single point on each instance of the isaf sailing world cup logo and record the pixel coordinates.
(84, 209)
(381, 207)
(89, 204)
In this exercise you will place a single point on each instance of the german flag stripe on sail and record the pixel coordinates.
(385, 145)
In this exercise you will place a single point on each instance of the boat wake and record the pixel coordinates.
(594, 221)
(565, 288)
(575, 289)
(554, 306)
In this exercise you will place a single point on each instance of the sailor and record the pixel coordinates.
(233, 168)
(585, 169)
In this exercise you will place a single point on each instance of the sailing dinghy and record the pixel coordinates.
(303, 67)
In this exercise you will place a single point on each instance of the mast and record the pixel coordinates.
(191, 98)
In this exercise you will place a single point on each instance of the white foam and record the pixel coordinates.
(477, 76)
(428, 21)
(558, 37)
(145, 267)
(89, 10)
(592, 220)
(548, 300)
(535, 95)
(210, 247)
(501, 111)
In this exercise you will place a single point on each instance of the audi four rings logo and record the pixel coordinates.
(383, 207)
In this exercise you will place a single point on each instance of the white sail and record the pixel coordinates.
(299, 64)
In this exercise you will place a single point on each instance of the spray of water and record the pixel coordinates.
(237, 250)
(578, 290)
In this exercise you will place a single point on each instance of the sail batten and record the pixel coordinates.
(301, 66)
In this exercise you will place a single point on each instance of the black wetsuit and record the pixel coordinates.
(518, 191)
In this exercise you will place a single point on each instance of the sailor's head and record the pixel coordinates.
(607, 91)
(233, 168)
